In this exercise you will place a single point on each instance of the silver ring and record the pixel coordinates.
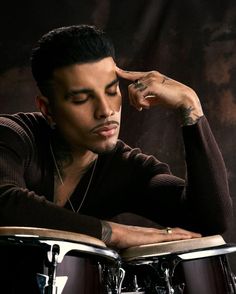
(168, 230)
(138, 84)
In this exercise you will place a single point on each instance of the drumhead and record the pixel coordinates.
(50, 234)
(67, 241)
(165, 248)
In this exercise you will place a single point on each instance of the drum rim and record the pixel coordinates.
(50, 233)
(171, 247)
(81, 243)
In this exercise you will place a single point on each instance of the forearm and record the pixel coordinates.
(207, 192)
(20, 207)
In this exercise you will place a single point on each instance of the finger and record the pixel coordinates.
(136, 98)
(155, 77)
(194, 234)
(139, 86)
(179, 236)
(176, 237)
(148, 98)
(129, 75)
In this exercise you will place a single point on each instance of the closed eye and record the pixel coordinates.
(80, 98)
(112, 93)
(112, 90)
(79, 101)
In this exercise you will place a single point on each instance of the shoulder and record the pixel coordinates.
(22, 122)
(21, 119)
(21, 128)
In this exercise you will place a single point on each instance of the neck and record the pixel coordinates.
(66, 178)
(82, 161)
(69, 160)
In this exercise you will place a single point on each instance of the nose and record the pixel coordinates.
(103, 108)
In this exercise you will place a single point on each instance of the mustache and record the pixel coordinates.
(105, 124)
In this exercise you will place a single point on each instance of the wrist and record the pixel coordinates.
(106, 232)
(111, 233)
(190, 109)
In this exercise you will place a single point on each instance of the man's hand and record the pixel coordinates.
(153, 88)
(123, 236)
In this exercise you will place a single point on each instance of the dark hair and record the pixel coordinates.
(66, 46)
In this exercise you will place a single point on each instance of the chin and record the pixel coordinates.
(104, 148)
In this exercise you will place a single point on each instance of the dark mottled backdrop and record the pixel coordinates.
(193, 41)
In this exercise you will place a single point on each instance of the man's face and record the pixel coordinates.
(87, 105)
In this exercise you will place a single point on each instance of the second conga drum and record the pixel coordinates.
(42, 261)
(194, 266)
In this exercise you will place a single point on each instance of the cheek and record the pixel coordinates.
(77, 120)
(117, 104)
(67, 120)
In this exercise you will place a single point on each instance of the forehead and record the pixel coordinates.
(90, 74)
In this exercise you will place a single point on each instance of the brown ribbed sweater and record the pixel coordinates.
(125, 180)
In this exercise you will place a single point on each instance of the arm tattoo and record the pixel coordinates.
(187, 116)
(106, 232)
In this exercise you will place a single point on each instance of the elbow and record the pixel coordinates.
(219, 225)
(219, 218)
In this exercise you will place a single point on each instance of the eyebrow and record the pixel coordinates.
(87, 90)
(112, 83)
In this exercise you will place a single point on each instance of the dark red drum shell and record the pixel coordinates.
(195, 266)
(23, 257)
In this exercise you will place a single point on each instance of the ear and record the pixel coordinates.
(43, 105)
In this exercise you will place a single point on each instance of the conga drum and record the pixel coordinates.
(194, 266)
(42, 261)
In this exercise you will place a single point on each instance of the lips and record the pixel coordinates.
(106, 130)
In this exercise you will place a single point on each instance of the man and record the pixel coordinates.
(64, 168)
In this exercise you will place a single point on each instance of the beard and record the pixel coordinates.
(100, 150)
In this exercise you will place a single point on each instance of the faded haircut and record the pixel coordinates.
(66, 46)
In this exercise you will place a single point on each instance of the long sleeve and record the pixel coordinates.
(22, 206)
(125, 180)
(207, 191)
(202, 201)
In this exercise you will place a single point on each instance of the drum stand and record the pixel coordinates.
(52, 288)
(50, 284)
(114, 277)
(165, 269)
(56, 250)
